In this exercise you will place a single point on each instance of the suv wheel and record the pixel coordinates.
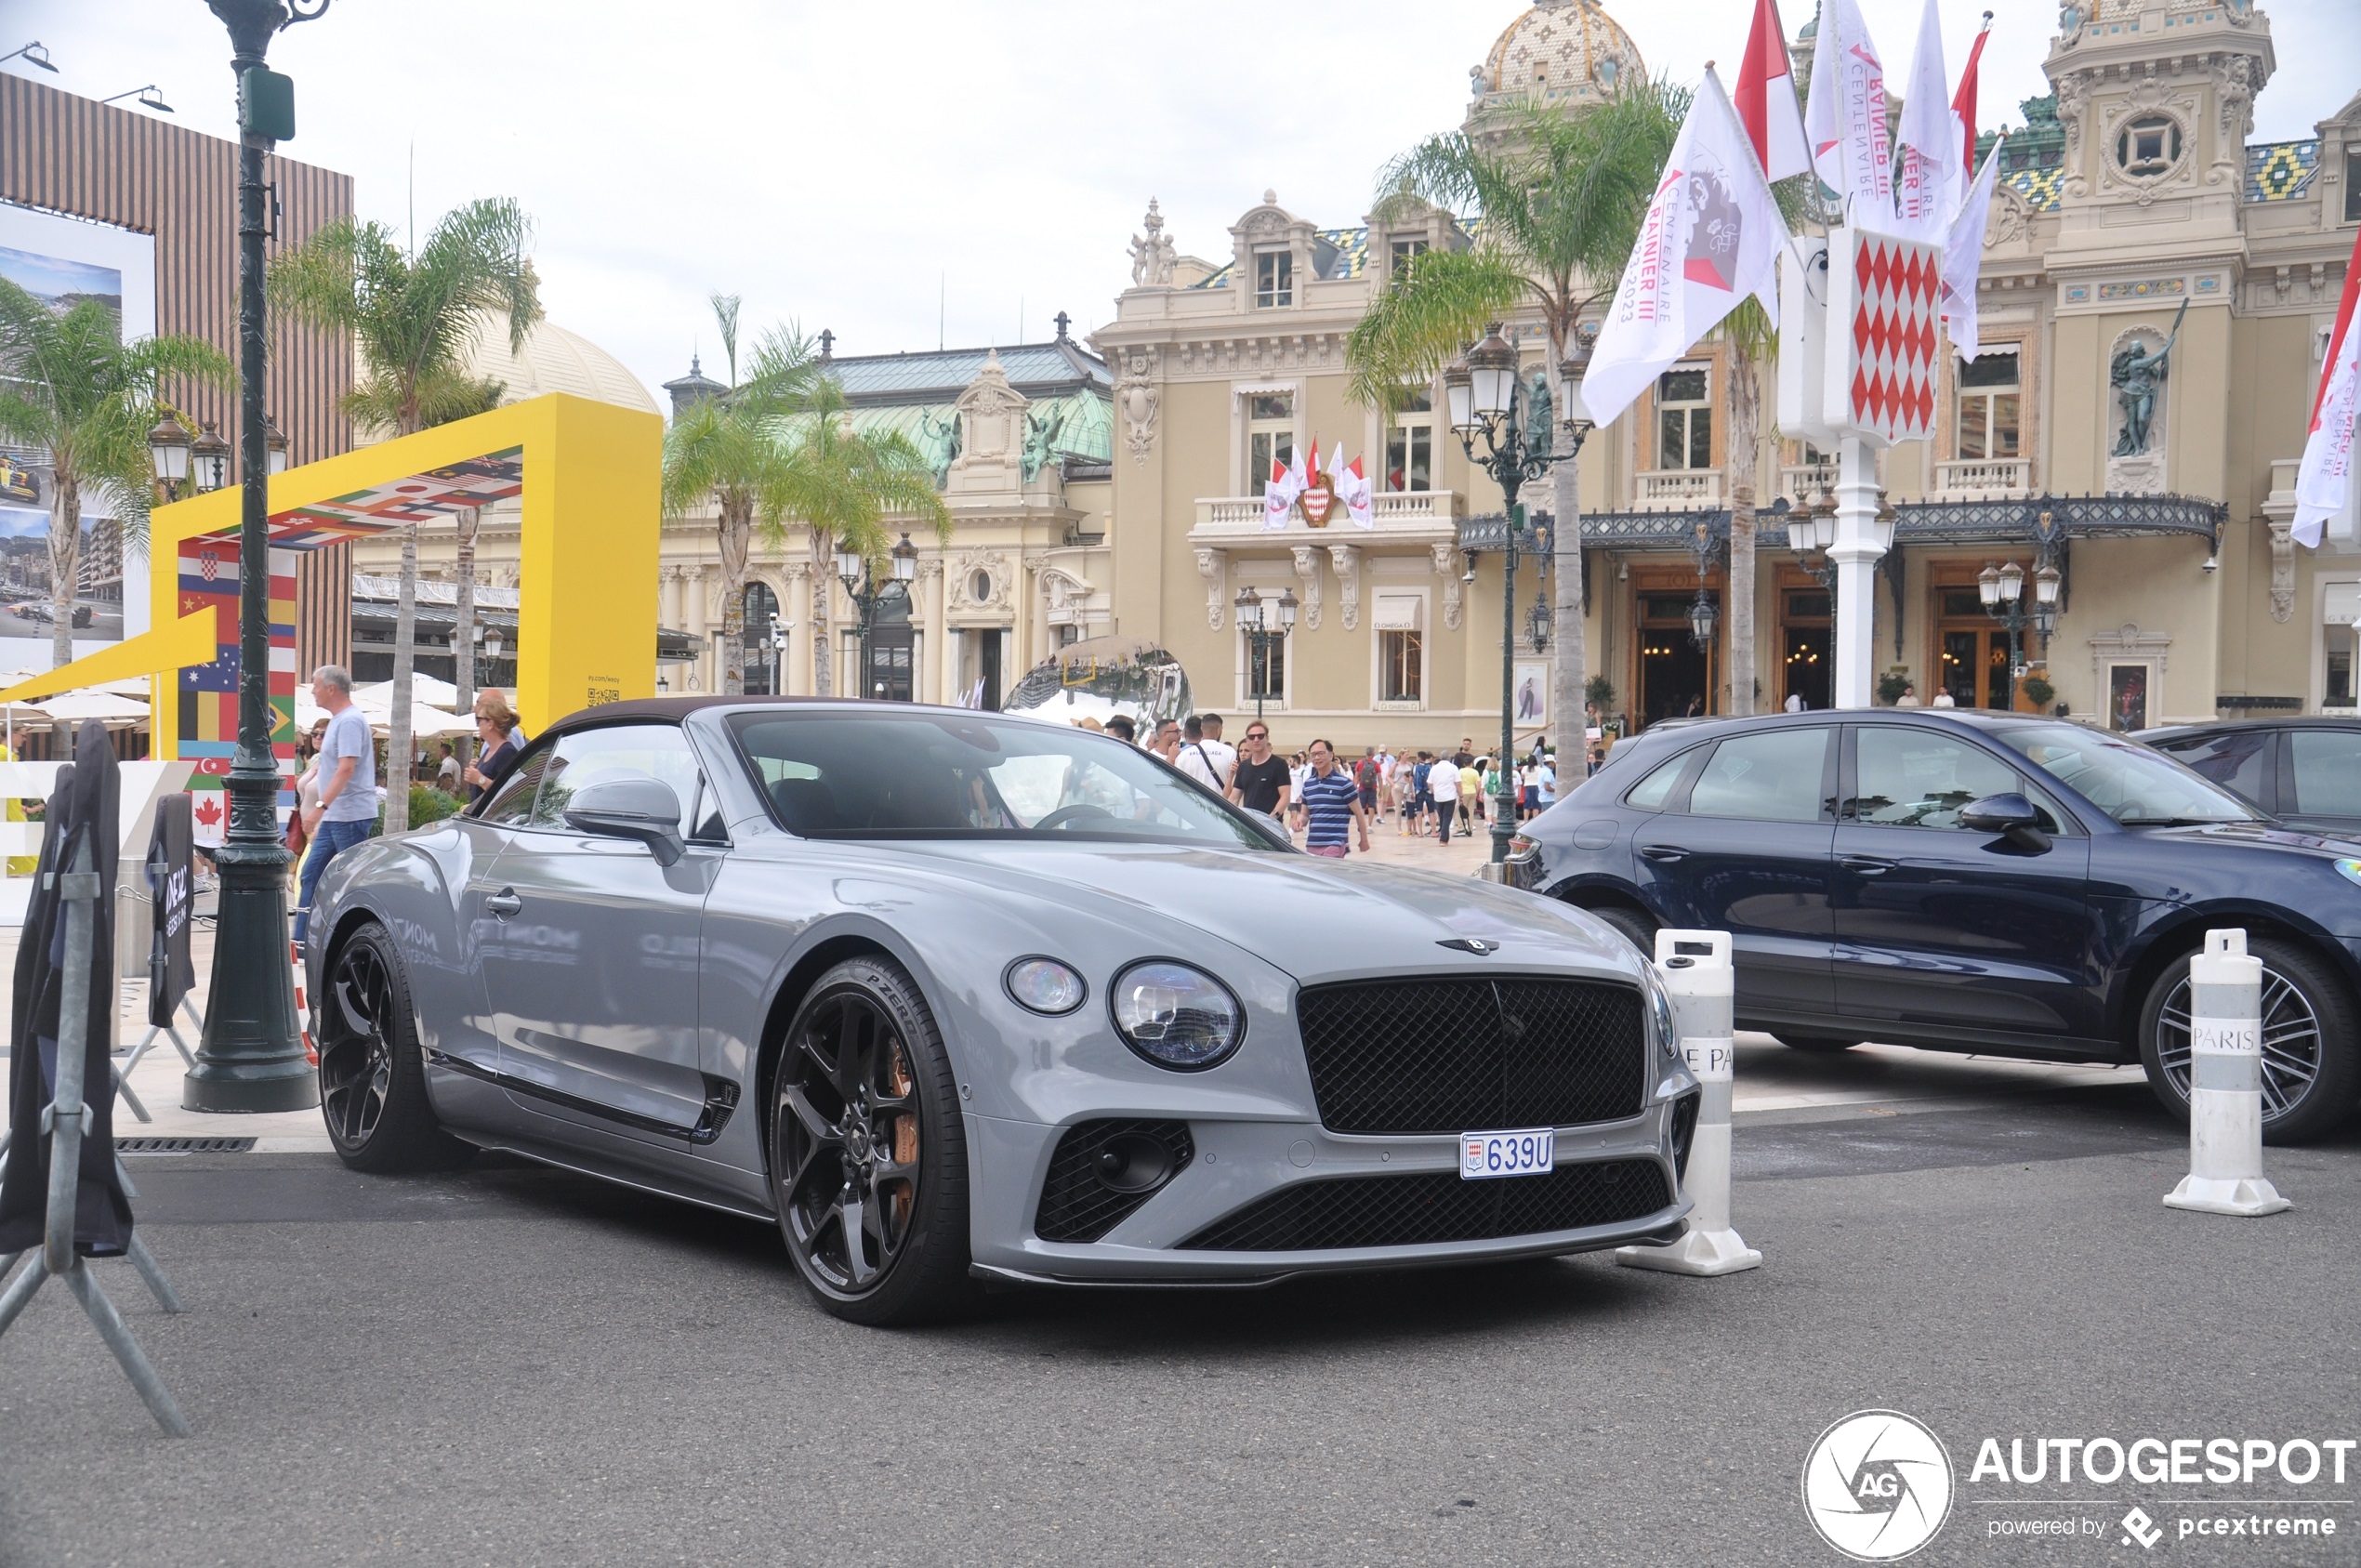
(2311, 1075)
(1637, 928)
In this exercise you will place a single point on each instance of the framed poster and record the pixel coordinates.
(2127, 696)
(1530, 696)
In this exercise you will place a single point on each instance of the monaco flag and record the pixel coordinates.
(1963, 258)
(1765, 98)
(1963, 102)
(1926, 184)
(1352, 489)
(2323, 480)
(1712, 237)
(1845, 119)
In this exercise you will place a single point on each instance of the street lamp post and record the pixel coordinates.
(2002, 590)
(867, 593)
(250, 1057)
(1266, 622)
(1487, 397)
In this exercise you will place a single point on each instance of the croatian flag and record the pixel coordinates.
(2323, 480)
(1845, 118)
(1711, 236)
(1765, 98)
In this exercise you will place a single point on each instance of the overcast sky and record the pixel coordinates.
(879, 168)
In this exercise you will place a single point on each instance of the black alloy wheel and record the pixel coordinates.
(868, 1158)
(373, 1091)
(2311, 1057)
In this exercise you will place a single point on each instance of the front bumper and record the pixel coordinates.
(1237, 1162)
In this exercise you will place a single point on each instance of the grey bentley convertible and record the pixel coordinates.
(949, 993)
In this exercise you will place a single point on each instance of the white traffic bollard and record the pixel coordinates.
(2225, 1082)
(1695, 966)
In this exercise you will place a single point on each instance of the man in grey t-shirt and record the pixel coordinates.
(348, 808)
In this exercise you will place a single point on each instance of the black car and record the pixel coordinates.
(1970, 881)
(2305, 771)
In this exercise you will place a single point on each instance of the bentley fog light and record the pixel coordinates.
(1044, 985)
(1175, 1016)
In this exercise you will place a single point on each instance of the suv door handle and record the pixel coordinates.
(1868, 865)
(504, 903)
(1665, 853)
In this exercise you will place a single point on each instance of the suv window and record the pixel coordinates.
(621, 751)
(2234, 760)
(1651, 792)
(1916, 778)
(2328, 771)
(513, 805)
(1772, 777)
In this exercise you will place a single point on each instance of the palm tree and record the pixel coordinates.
(68, 384)
(777, 447)
(412, 313)
(1753, 343)
(1562, 199)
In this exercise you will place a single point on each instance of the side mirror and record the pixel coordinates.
(2011, 816)
(642, 810)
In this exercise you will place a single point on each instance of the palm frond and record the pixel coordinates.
(1416, 327)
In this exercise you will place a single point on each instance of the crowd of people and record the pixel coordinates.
(1332, 802)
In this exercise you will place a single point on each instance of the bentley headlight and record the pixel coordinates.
(1175, 1016)
(1044, 985)
(1662, 1020)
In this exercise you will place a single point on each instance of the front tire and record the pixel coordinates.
(373, 1075)
(868, 1154)
(2310, 1073)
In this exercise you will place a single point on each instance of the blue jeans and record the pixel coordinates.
(328, 840)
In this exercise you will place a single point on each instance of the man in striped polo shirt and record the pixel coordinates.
(1328, 804)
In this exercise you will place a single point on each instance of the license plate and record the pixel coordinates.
(1486, 1154)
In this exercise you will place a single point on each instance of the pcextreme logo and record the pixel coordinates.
(1877, 1485)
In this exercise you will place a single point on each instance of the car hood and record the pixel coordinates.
(1317, 919)
(2259, 836)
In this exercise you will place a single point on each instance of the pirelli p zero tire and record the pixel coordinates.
(868, 1156)
(373, 1073)
(2311, 1048)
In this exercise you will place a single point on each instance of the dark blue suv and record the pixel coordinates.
(1969, 881)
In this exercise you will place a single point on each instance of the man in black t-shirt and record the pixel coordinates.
(1263, 783)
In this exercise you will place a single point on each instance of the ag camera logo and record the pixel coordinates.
(1877, 1485)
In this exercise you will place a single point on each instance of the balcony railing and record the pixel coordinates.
(1797, 481)
(1995, 478)
(1411, 511)
(1667, 490)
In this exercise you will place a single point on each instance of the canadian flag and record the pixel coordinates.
(1926, 183)
(1765, 98)
(1279, 496)
(1845, 118)
(1711, 236)
(2323, 480)
(1352, 489)
(1963, 102)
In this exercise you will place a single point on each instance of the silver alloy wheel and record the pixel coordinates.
(2291, 1043)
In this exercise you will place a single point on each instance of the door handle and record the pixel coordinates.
(504, 903)
(1664, 853)
(1868, 865)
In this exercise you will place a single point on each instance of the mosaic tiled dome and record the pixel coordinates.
(1561, 51)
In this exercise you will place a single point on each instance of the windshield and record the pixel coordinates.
(2125, 779)
(918, 774)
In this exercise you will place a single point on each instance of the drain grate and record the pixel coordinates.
(184, 1145)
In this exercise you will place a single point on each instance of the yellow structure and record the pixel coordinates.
(588, 477)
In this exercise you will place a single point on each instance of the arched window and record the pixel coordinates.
(764, 651)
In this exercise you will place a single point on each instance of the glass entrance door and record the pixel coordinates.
(1806, 667)
(1676, 675)
(1973, 654)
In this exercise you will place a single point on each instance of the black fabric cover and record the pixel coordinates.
(171, 869)
(82, 808)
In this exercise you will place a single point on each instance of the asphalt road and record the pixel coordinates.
(513, 1367)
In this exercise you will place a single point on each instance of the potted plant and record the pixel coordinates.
(1890, 686)
(2039, 691)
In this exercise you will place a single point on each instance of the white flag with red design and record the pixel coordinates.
(1765, 98)
(1712, 237)
(1352, 489)
(2323, 480)
(1845, 116)
(1927, 177)
(1279, 496)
